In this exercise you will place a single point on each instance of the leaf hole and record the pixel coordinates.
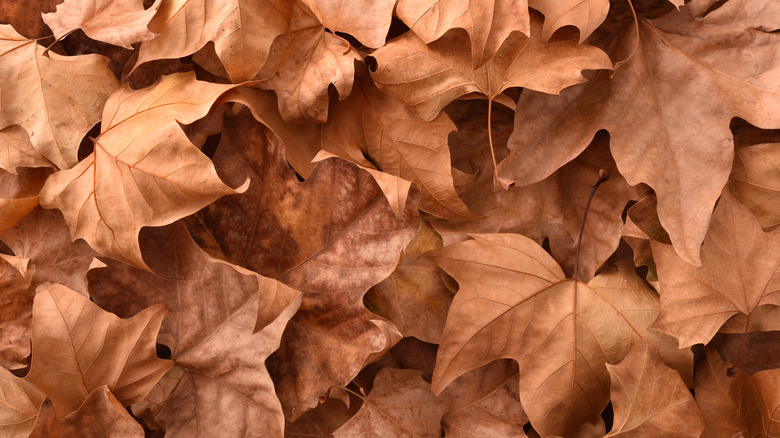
(163, 352)
(210, 146)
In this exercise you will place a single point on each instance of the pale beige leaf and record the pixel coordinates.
(755, 181)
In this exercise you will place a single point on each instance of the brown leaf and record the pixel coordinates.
(442, 72)
(683, 147)
(366, 20)
(650, 399)
(755, 182)
(334, 236)
(15, 313)
(321, 421)
(55, 98)
(219, 385)
(242, 32)
(586, 15)
(115, 22)
(739, 272)
(487, 22)
(740, 404)
(400, 404)
(569, 330)
(143, 172)
(751, 352)
(26, 16)
(101, 415)
(19, 194)
(21, 400)
(17, 151)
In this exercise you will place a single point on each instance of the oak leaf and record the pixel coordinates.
(754, 181)
(366, 20)
(650, 399)
(487, 22)
(514, 302)
(115, 22)
(143, 171)
(739, 272)
(586, 15)
(682, 147)
(219, 384)
(335, 237)
(55, 98)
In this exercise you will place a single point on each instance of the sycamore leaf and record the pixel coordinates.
(487, 22)
(567, 332)
(442, 72)
(242, 32)
(301, 66)
(19, 194)
(15, 313)
(684, 83)
(740, 271)
(755, 181)
(143, 172)
(650, 399)
(220, 385)
(586, 15)
(115, 22)
(366, 20)
(740, 404)
(101, 414)
(400, 404)
(334, 236)
(55, 98)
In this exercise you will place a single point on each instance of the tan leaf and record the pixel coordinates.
(55, 98)
(19, 194)
(442, 72)
(242, 32)
(20, 401)
(366, 20)
(650, 399)
(143, 172)
(514, 302)
(334, 236)
(684, 85)
(101, 415)
(116, 22)
(755, 181)
(739, 272)
(400, 404)
(17, 151)
(586, 15)
(487, 22)
(219, 385)
(15, 314)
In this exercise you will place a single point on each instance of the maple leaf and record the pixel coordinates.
(366, 20)
(78, 348)
(754, 181)
(487, 22)
(116, 22)
(683, 147)
(19, 194)
(650, 399)
(400, 404)
(739, 272)
(242, 32)
(339, 240)
(568, 330)
(219, 384)
(586, 15)
(55, 98)
(143, 171)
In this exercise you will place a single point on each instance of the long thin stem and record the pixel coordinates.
(603, 177)
(636, 45)
(506, 183)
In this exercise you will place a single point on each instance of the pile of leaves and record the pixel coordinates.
(367, 218)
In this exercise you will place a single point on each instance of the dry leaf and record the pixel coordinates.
(755, 182)
(586, 15)
(19, 194)
(367, 20)
(15, 313)
(17, 151)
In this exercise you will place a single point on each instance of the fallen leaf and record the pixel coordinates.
(366, 20)
(15, 314)
(219, 385)
(26, 16)
(650, 399)
(19, 194)
(20, 403)
(115, 22)
(143, 171)
(751, 352)
(17, 151)
(400, 404)
(754, 181)
(55, 98)
(739, 272)
(586, 15)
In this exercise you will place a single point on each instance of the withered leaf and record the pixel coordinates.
(16, 150)
(19, 194)
(586, 15)
(367, 20)
(755, 181)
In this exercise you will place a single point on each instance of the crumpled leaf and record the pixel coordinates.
(55, 98)
(15, 313)
(739, 272)
(487, 22)
(242, 32)
(739, 404)
(101, 415)
(118, 22)
(755, 181)
(334, 236)
(650, 399)
(514, 302)
(366, 20)
(19, 194)
(143, 172)
(400, 404)
(442, 72)
(219, 385)
(688, 78)
(586, 15)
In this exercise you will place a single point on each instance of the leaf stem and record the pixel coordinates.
(731, 371)
(636, 45)
(506, 183)
(603, 177)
